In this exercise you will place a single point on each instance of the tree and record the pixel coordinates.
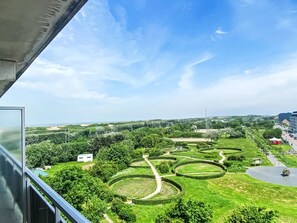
(188, 212)
(252, 214)
(94, 209)
(77, 187)
(270, 133)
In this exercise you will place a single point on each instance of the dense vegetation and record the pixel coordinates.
(116, 145)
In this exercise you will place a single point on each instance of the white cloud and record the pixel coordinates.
(185, 82)
(269, 89)
(219, 31)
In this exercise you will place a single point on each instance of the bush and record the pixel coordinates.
(236, 157)
(252, 214)
(123, 211)
(163, 167)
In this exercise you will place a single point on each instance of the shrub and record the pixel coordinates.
(163, 167)
(123, 211)
(252, 214)
(236, 157)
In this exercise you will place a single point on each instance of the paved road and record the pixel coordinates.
(291, 141)
(157, 177)
(273, 175)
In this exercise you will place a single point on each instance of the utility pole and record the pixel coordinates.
(206, 119)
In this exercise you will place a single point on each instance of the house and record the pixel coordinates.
(85, 158)
(275, 141)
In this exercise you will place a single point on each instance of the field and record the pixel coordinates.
(134, 187)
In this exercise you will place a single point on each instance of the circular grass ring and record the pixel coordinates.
(196, 176)
(226, 150)
(159, 198)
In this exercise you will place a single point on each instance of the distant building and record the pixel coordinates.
(283, 116)
(293, 122)
(275, 141)
(85, 158)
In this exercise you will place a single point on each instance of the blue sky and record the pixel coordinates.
(143, 59)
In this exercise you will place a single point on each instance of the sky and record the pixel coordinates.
(121, 60)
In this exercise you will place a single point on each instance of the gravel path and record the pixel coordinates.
(157, 177)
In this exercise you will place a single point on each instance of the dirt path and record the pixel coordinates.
(223, 157)
(157, 177)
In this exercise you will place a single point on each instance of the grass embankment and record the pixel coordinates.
(134, 187)
(280, 151)
(226, 193)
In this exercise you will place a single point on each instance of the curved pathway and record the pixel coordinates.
(223, 157)
(157, 177)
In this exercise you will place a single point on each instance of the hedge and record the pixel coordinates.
(162, 158)
(116, 179)
(221, 148)
(205, 177)
(162, 201)
(200, 177)
(199, 161)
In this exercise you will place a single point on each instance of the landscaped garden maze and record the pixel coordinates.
(135, 187)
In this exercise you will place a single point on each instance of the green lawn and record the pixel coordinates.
(198, 168)
(225, 193)
(131, 170)
(60, 166)
(139, 163)
(157, 162)
(168, 191)
(134, 187)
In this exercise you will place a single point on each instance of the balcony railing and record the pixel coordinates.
(33, 199)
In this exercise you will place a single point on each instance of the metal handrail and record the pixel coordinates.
(70, 212)
(67, 209)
